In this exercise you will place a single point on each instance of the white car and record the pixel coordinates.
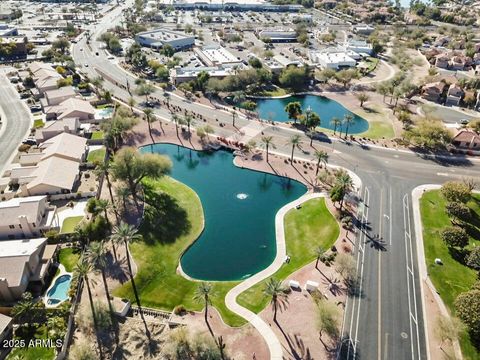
(86, 65)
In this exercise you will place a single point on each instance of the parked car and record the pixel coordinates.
(29, 141)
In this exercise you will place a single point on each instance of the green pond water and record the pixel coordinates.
(239, 207)
(274, 109)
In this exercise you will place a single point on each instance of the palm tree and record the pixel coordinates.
(234, 116)
(319, 252)
(149, 118)
(123, 193)
(202, 295)
(104, 169)
(267, 142)
(81, 271)
(103, 206)
(188, 119)
(276, 292)
(347, 120)
(336, 122)
(24, 310)
(311, 135)
(295, 142)
(345, 183)
(176, 120)
(96, 254)
(321, 157)
(127, 234)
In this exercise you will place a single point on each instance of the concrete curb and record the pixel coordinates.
(422, 265)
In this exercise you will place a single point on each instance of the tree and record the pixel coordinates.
(188, 120)
(203, 293)
(429, 135)
(96, 254)
(145, 89)
(176, 120)
(455, 236)
(255, 63)
(473, 259)
(149, 118)
(294, 77)
(131, 166)
(126, 234)
(327, 320)
(294, 110)
(346, 76)
(362, 97)
(467, 308)
(103, 169)
(336, 122)
(294, 141)
(310, 119)
(454, 191)
(81, 271)
(344, 184)
(448, 329)
(25, 310)
(61, 44)
(345, 265)
(167, 50)
(319, 252)
(458, 211)
(322, 158)
(347, 121)
(267, 142)
(276, 292)
(326, 75)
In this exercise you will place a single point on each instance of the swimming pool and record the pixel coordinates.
(105, 113)
(239, 207)
(58, 292)
(274, 109)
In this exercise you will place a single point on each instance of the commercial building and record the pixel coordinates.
(215, 55)
(278, 35)
(26, 217)
(24, 264)
(358, 46)
(180, 75)
(332, 59)
(231, 5)
(159, 37)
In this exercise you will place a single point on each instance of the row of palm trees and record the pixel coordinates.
(95, 260)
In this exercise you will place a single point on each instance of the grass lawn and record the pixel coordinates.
(68, 257)
(98, 135)
(96, 156)
(306, 228)
(451, 278)
(378, 130)
(38, 123)
(34, 353)
(69, 224)
(158, 255)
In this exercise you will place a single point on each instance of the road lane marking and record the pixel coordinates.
(379, 314)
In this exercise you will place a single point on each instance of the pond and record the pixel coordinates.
(274, 109)
(239, 207)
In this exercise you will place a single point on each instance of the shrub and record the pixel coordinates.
(455, 236)
(473, 259)
(458, 210)
(179, 310)
(467, 308)
(82, 350)
(456, 192)
(24, 148)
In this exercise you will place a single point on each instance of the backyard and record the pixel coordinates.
(33, 352)
(306, 228)
(451, 278)
(69, 224)
(68, 257)
(96, 156)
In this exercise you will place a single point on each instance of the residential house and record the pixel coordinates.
(442, 61)
(460, 62)
(56, 127)
(467, 141)
(71, 108)
(6, 331)
(44, 77)
(24, 265)
(433, 91)
(57, 96)
(26, 217)
(454, 95)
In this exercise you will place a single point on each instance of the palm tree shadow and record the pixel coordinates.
(116, 269)
(335, 286)
(376, 243)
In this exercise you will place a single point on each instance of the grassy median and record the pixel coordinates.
(451, 278)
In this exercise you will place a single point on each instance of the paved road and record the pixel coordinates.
(386, 321)
(16, 120)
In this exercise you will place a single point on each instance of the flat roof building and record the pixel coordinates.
(231, 5)
(332, 59)
(215, 55)
(180, 75)
(157, 38)
(278, 35)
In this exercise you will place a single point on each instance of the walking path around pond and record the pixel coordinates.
(274, 345)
